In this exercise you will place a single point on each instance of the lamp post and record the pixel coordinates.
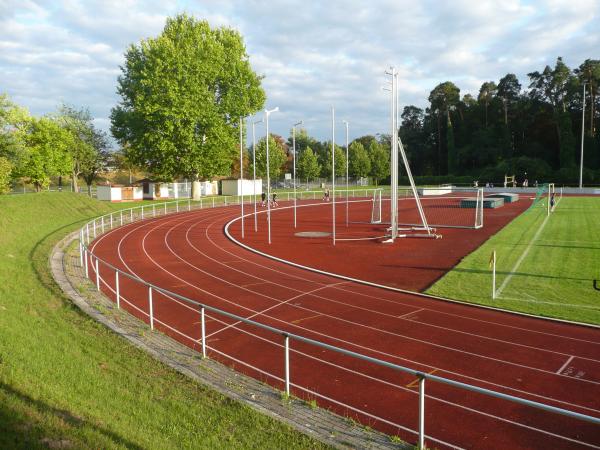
(347, 164)
(582, 136)
(242, 171)
(267, 114)
(294, 159)
(333, 169)
(254, 168)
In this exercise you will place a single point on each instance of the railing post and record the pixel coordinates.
(190, 204)
(87, 231)
(117, 289)
(121, 217)
(213, 202)
(287, 365)
(81, 248)
(111, 220)
(142, 213)
(177, 206)
(94, 228)
(421, 412)
(201, 204)
(102, 224)
(151, 307)
(203, 331)
(131, 215)
(153, 210)
(97, 275)
(85, 264)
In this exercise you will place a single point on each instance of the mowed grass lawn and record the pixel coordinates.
(554, 278)
(67, 382)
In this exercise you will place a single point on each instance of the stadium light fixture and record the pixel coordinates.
(268, 112)
(294, 163)
(254, 167)
(582, 137)
(347, 165)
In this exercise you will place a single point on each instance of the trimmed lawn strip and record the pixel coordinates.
(66, 381)
(555, 279)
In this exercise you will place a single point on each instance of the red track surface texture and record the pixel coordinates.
(189, 254)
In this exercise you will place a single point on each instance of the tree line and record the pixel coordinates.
(507, 129)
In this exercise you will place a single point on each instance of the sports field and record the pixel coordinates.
(545, 265)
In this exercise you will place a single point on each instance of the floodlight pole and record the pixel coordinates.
(267, 113)
(254, 168)
(294, 159)
(333, 168)
(242, 170)
(347, 164)
(582, 137)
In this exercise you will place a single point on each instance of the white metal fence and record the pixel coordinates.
(106, 273)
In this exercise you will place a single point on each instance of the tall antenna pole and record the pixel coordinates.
(333, 168)
(582, 137)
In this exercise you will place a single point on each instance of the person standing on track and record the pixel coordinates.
(326, 195)
(274, 203)
(263, 198)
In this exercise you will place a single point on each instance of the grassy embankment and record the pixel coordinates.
(557, 268)
(67, 382)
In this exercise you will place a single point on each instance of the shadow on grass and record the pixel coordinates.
(20, 432)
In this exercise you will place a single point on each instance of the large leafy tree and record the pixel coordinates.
(486, 94)
(5, 174)
(182, 95)
(98, 160)
(380, 161)
(307, 165)
(589, 73)
(340, 162)
(14, 125)
(277, 158)
(360, 164)
(443, 98)
(48, 152)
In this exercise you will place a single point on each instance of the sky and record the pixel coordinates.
(313, 54)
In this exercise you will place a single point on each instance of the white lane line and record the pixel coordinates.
(521, 258)
(404, 316)
(565, 365)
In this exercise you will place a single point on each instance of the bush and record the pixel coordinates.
(5, 175)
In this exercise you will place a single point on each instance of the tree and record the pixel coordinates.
(486, 93)
(79, 123)
(48, 153)
(14, 125)
(97, 160)
(182, 95)
(589, 72)
(360, 164)
(277, 158)
(340, 162)
(5, 174)
(380, 162)
(307, 165)
(443, 98)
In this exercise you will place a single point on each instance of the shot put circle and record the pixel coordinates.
(312, 234)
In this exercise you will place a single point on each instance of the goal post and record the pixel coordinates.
(510, 181)
(376, 207)
(479, 209)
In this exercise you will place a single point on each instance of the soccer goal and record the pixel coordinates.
(510, 181)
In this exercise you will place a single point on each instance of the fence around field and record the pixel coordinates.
(103, 274)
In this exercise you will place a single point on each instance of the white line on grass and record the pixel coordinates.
(521, 258)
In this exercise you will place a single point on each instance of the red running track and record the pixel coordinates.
(545, 361)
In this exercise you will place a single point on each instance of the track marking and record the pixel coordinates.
(415, 383)
(522, 257)
(404, 316)
(565, 365)
(306, 318)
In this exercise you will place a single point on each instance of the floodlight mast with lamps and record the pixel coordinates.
(582, 137)
(254, 168)
(267, 114)
(294, 159)
(242, 171)
(347, 164)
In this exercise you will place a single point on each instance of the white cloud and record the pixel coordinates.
(313, 54)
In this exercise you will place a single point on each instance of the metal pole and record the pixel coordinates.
(85, 263)
(97, 276)
(582, 137)
(102, 224)
(294, 162)
(254, 169)
(421, 412)
(287, 365)
(151, 307)
(347, 167)
(81, 248)
(267, 113)
(117, 289)
(333, 168)
(494, 275)
(203, 331)
(242, 171)
(121, 217)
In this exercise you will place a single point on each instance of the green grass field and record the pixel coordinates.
(68, 382)
(558, 264)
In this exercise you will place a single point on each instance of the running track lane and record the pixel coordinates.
(544, 361)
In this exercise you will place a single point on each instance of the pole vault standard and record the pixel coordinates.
(242, 171)
(294, 158)
(254, 169)
(267, 113)
(333, 168)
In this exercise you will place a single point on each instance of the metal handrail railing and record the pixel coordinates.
(85, 253)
